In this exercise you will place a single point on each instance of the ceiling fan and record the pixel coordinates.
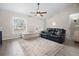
(39, 12)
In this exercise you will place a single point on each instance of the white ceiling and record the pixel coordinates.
(26, 8)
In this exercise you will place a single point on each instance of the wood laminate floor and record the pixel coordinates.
(70, 42)
(12, 48)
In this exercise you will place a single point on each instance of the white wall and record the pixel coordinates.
(5, 23)
(62, 19)
(35, 24)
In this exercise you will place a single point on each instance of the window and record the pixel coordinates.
(19, 24)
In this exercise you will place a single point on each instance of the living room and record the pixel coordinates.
(32, 25)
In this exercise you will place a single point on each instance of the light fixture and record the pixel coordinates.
(38, 14)
(53, 23)
(38, 11)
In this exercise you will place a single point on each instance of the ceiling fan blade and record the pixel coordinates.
(43, 12)
(41, 15)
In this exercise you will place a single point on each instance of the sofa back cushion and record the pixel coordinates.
(56, 31)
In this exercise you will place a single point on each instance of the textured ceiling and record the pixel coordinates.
(26, 8)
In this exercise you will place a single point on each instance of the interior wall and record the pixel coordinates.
(35, 24)
(6, 24)
(62, 19)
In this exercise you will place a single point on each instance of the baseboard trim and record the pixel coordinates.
(10, 38)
